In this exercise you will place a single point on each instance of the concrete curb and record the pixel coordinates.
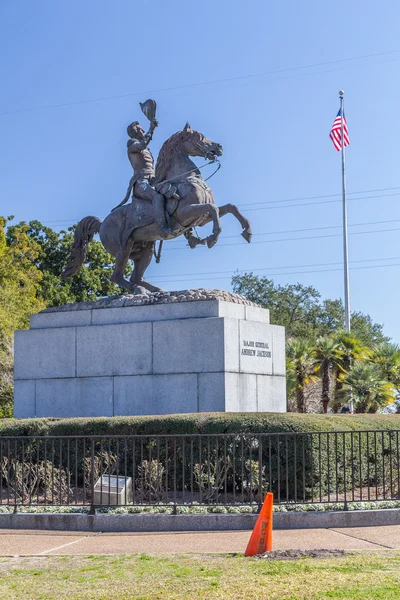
(156, 523)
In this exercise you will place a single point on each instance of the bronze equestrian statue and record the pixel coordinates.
(130, 231)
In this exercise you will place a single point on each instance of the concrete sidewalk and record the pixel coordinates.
(34, 543)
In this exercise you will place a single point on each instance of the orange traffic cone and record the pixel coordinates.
(261, 538)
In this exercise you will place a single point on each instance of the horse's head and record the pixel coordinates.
(196, 144)
(183, 144)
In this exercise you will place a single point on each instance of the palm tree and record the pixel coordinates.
(300, 366)
(387, 357)
(328, 357)
(352, 349)
(369, 390)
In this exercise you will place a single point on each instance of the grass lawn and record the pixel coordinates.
(361, 576)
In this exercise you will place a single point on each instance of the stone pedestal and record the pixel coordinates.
(163, 354)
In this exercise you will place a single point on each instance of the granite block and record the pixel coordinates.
(247, 391)
(271, 393)
(240, 392)
(211, 387)
(42, 353)
(106, 350)
(167, 312)
(73, 318)
(155, 394)
(255, 347)
(24, 398)
(77, 397)
(256, 313)
(232, 399)
(278, 350)
(231, 345)
(188, 346)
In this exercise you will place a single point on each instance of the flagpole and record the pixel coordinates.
(345, 235)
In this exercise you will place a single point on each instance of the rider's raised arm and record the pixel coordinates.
(139, 146)
(149, 135)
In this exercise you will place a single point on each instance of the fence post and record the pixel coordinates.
(92, 510)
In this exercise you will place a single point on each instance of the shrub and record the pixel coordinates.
(209, 423)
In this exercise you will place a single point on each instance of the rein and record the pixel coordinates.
(216, 170)
(193, 170)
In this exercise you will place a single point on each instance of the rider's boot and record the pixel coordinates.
(164, 232)
(161, 222)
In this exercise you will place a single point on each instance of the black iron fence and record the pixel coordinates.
(223, 469)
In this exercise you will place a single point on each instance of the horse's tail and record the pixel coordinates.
(84, 233)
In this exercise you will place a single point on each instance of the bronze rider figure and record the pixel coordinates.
(142, 162)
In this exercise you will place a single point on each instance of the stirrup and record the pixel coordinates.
(165, 232)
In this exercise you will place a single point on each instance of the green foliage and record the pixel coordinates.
(300, 363)
(351, 350)
(367, 387)
(208, 423)
(328, 356)
(300, 309)
(386, 357)
(20, 280)
(294, 306)
(92, 282)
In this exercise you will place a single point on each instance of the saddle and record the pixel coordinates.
(139, 213)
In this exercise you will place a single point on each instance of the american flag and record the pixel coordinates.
(336, 131)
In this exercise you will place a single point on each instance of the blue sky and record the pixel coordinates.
(260, 78)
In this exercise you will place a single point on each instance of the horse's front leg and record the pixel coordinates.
(245, 223)
(195, 211)
(233, 210)
(192, 240)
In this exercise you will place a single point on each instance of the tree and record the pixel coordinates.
(294, 306)
(386, 357)
(19, 279)
(92, 282)
(300, 366)
(301, 311)
(6, 376)
(327, 356)
(19, 283)
(351, 350)
(367, 388)
(362, 326)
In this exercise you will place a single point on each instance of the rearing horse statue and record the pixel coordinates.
(129, 232)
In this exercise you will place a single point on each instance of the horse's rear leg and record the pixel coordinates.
(121, 260)
(141, 262)
(245, 223)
